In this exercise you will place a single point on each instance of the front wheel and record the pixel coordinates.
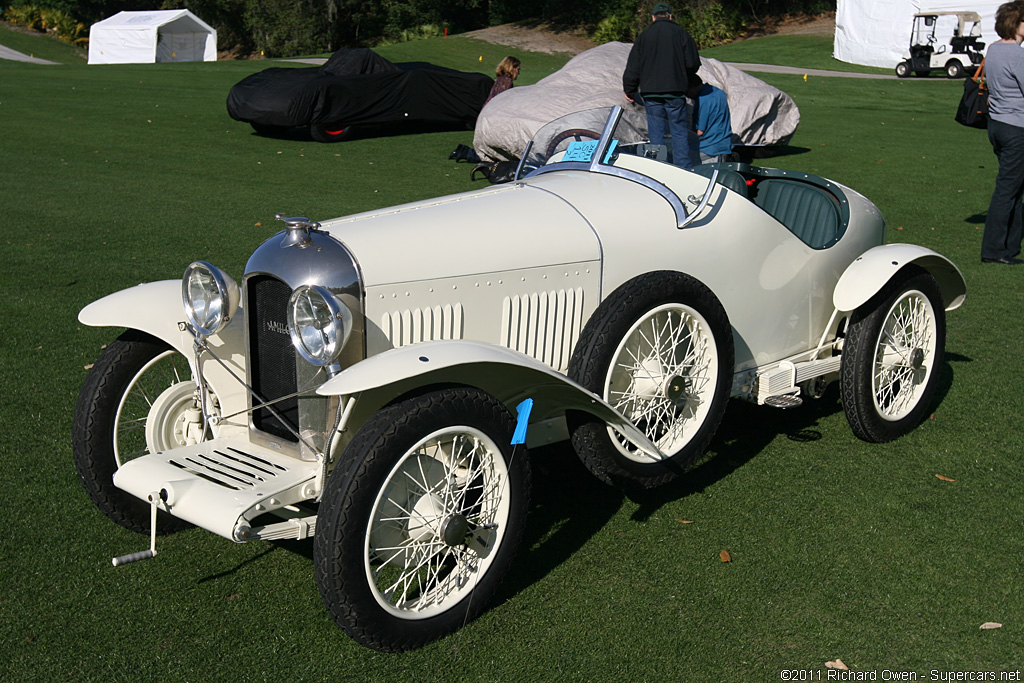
(138, 398)
(660, 351)
(903, 69)
(421, 519)
(891, 357)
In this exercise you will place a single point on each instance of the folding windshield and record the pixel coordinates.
(592, 140)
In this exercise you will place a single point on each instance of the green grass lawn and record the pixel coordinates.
(115, 175)
(804, 51)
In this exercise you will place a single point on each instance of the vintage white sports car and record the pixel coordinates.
(375, 379)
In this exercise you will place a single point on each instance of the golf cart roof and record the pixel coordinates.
(964, 16)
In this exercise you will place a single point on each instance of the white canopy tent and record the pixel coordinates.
(174, 35)
(877, 32)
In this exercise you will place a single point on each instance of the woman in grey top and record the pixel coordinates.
(1004, 77)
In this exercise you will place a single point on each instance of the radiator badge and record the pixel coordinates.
(276, 326)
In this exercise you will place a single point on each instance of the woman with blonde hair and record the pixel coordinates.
(1004, 78)
(507, 71)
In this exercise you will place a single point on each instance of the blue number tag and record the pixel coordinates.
(580, 150)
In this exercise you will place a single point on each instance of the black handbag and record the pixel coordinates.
(973, 109)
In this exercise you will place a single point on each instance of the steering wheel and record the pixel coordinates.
(566, 134)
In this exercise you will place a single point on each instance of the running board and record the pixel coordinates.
(222, 485)
(786, 377)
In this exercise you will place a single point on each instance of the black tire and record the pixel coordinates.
(330, 132)
(887, 382)
(379, 475)
(902, 69)
(685, 418)
(268, 130)
(954, 69)
(97, 420)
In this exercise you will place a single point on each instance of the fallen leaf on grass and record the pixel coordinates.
(683, 521)
(939, 476)
(726, 557)
(837, 664)
(990, 625)
(89, 366)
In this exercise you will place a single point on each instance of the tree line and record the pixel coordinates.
(286, 28)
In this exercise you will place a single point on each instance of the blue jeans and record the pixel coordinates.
(1003, 223)
(670, 115)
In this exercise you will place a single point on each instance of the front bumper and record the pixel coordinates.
(224, 484)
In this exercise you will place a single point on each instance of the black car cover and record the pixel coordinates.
(356, 86)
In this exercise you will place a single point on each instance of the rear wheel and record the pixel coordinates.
(891, 358)
(330, 132)
(954, 69)
(660, 351)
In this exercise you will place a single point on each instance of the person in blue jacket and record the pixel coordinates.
(712, 122)
(658, 71)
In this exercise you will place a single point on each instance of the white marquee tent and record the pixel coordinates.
(174, 35)
(877, 32)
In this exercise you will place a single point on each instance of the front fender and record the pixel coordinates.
(152, 307)
(156, 309)
(866, 276)
(509, 376)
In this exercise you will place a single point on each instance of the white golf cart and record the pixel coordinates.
(966, 49)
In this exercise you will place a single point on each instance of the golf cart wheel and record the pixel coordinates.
(954, 69)
(902, 70)
(330, 132)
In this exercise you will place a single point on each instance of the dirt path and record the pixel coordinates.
(543, 39)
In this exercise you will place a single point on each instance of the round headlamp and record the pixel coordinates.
(210, 297)
(319, 324)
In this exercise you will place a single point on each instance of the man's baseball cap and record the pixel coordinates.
(661, 7)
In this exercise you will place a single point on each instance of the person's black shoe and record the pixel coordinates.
(1008, 260)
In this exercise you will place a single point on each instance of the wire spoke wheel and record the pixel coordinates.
(659, 350)
(421, 518)
(891, 357)
(663, 378)
(904, 356)
(436, 516)
(152, 412)
(139, 398)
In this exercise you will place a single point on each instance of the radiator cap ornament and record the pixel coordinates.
(298, 229)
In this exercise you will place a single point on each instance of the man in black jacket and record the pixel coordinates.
(660, 66)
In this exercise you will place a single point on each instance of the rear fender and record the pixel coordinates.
(867, 275)
(508, 375)
(156, 309)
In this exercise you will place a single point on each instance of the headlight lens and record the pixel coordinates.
(319, 324)
(210, 297)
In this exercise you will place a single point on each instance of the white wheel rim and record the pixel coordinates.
(663, 377)
(904, 356)
(164, 373)
(453, 476)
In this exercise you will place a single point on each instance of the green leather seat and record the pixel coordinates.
(810, 212)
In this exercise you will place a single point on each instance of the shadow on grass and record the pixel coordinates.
(569, 506)
(363, 132)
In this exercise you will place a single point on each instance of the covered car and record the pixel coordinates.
(373, 381)
(357, 87)
(761, 114)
